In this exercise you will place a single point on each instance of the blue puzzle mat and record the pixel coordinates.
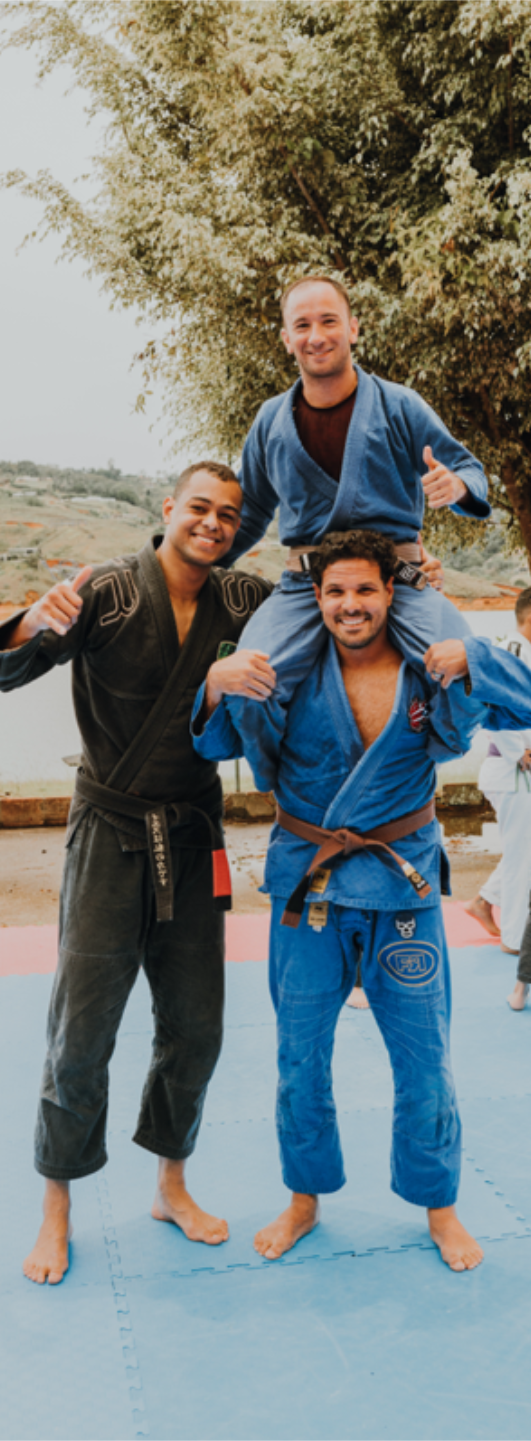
(360, 1332)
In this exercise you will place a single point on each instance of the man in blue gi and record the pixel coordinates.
(342, 448)
(354, 776)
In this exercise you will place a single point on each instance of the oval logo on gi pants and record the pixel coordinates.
(413, 963)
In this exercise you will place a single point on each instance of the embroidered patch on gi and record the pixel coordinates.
(418, 715)
(406, 924)
(412, 965)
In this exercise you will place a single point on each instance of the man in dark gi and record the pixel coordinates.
(354, 871)
(146, 878)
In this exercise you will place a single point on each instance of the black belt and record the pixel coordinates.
(157, 818)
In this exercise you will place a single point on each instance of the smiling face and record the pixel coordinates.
(203, 518)
(319, 330)
(354, 601)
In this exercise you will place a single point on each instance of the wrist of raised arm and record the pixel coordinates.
(21, 633)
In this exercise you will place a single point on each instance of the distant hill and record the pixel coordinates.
(52, 521)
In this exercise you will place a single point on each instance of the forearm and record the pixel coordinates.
(20, 663)
(17, 632)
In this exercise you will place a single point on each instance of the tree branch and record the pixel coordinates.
(510, 119)
(338, 257)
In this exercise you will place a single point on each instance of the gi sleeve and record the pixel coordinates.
(427, 428)
(497, 697)
(502, 682)
(40, 654)
(219, 739)
(260, 500)
(215, 739)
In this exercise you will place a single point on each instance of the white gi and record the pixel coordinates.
(508, 788)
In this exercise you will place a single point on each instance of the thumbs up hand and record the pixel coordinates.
(440, 485)
(58, 610)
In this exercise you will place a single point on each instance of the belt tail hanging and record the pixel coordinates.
(415, 879)
(295, 906)
(161, 866)
(221, 882)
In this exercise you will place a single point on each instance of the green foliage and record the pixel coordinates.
(384, 141)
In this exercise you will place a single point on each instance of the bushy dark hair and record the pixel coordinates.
(315, 280)
(353, 545)
(215, 467)
(523, 603)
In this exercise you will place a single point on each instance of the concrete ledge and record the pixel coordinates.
(249, 806)
(456, 801)
(19, 811)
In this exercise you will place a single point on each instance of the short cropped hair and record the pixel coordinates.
(523, 603)
(214, 467)
(315, 280)
(353, 545)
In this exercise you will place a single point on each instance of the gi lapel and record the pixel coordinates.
(189, 656)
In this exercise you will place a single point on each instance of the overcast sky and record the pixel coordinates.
(66, 387)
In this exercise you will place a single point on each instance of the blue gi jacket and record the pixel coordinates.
(379, 487)
(321, 773)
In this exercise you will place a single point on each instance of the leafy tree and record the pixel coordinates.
(384, 141)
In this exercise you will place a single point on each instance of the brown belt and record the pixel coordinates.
(346, 842)
(408, 557)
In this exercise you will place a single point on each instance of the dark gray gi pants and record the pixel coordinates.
(107, 931)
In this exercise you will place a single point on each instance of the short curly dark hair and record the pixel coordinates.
(353, 545)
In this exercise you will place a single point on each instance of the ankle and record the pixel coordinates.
(56, 1196)
(303, 1203)
(171, 1173)
(440, 1214)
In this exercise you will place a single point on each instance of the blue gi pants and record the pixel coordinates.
(406, 978)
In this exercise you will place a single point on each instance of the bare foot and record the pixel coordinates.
(358, 1000)
(173, 1203)
(300, 1218)
(481, 910)
(518, 997)
(460, 1251)
(509, 950)
(48, 1260)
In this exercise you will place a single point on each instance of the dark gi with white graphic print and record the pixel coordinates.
(143, 826)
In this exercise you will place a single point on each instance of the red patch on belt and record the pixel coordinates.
(418, 715)
(221, 874)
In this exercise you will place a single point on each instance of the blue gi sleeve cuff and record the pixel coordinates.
(500, 682)
(474, 504)
(478, 654)
(216, 739)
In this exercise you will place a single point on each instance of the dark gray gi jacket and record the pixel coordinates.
(124, 648)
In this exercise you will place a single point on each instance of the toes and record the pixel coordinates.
(35, 1273)
(55, 1277)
